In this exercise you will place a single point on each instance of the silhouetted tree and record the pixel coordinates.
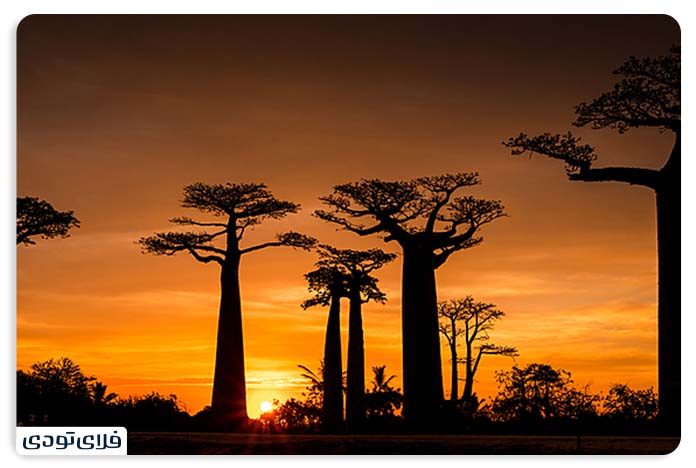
(425, 219)
(55, 389)
(242, 206)
(648, 95)
(99, 395)
(540, 392)
(624, 403)
(38, 218)
(382, 400)
(151, 412)
(470, 320)
(315, 390)
(329, 285)
(356, 266)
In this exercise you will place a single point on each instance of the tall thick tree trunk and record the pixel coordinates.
(333, 369)
(469, 382)
(355, 396)
(423, 394)
(229, 385)
(669, 292)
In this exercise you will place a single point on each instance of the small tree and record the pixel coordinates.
(430, 224)
(472, 321)
(38, 218)
(624, 403)
(55, 389)
(382, 400)
(648, 96)
(241, 207)
(531, 393)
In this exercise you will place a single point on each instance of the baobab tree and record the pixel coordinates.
(37, 217)
(241, 207)
(429, 223)
(329, 284)
(648, 95)
(361, 288)
(471, 321)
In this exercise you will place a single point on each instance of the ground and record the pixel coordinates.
(193, 443)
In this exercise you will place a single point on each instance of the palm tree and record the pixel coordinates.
(99, 395)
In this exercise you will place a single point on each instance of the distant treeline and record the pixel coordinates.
(532, 399)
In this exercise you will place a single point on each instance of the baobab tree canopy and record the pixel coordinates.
(422, 209)
(245, 205)
(649, 95)
(37, 217)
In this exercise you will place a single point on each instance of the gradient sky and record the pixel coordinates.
(116, 114)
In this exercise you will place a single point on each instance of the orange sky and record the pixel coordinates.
(117, 114)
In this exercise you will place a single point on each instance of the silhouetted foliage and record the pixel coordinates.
(623, 403)
(57, 393)
(151, 412)
(539, 392)
(471, 321)
(241, 206)
(300, 416)
(647, 96)
(382, 400)
(53, 392)
(429, 223)
(38, 218)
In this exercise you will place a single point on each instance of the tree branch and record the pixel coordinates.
(630, 175)
(190, 222)
(205, 258)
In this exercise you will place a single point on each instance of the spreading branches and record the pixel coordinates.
(243, 205)
(441, 189)
(422, 210)
(649, 95)
(37, 217)
(472, 320)
(287, 239)
(389, 203)
(184, 221)
(578, 158)
(238, 200)
(342, 271)
(170, 243)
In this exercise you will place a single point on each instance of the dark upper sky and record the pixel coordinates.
(117, 113)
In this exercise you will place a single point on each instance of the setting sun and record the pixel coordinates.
(266, 406)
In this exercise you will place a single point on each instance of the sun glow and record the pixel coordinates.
(266, 406)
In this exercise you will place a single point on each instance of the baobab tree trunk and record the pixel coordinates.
(469, 382)
(668, 196)
(423, 394)
(332, 408)
(229, 385)
(355, 395)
